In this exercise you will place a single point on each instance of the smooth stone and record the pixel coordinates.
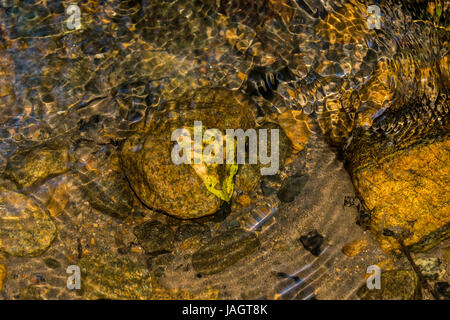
(408, 187)
(103, 183)
(36, 165)
(26, 230)
(185, 191)
(52, 263)
(189, 230)
(155, 236)
(312, 242)
(223, 251)
(107, 276)
(110, 276)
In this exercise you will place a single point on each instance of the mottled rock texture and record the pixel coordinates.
(407, 192)
(395, 285)
(224, 250)
(146, 157)
(26, 229)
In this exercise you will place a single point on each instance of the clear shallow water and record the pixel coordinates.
(86, 90)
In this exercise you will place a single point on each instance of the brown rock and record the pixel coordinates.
(244, 200)
(26, 230)
(107, 276)
(395, 285)
(180, 190)
(35, 165)
(446, 255)
(224, 250)
(104, 184)
(410, 197)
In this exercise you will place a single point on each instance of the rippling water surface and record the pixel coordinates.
(77, 83)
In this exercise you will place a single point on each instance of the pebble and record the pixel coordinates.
(30, 167)
(244, 200)
(52, 263)
(312, 242)
(189, 230)
(351, 249)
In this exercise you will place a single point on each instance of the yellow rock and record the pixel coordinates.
(297, 127)
(25, 228)
(108, 276)
(2, 275)
(407, 192)
(29, 167)
(191, 243)
(244, 200)
(446, 255)
(351, 249)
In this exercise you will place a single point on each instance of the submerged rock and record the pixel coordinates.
(108, 276)
(155, 236)
(104, 184)
(26, 230)
(2, 275)
(312, 241)
(351, 249)
(189, 230)
(52, 263)
(185, 190)
(431, 268)
(410, 197)
(224, 250)
(395, 285)
(33, 166)
(248, 177)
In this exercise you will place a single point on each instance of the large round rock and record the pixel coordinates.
(146, 156)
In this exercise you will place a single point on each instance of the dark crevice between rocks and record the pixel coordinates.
(406, 252)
